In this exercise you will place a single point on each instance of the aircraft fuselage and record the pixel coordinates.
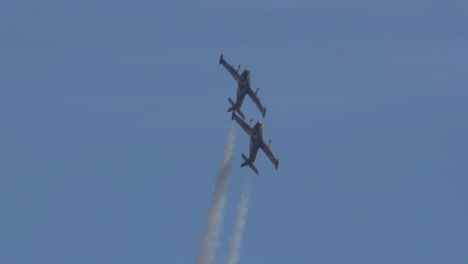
(244, 84)
(257, 134)
(256, 140)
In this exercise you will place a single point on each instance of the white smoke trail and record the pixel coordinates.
(235, 241)
(209, 241)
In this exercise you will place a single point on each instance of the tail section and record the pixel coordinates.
(249, 163)
(246, 161)
(235, 108)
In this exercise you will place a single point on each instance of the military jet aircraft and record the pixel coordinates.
(256, 142)
(243, 88)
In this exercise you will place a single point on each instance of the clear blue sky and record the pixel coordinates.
(113, 120)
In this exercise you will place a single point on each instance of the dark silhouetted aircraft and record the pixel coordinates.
(243, 88)
(256, 142)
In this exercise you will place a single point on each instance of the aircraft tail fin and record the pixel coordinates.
(249, 163)
(264, 111)
(277, 163)
(235, 108)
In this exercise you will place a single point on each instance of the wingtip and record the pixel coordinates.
(221, 59)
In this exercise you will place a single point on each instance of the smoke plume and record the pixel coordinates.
(209, 241)
(235, 241)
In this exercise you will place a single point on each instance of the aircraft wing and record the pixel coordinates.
(256, 101)
(230, 69)
(249, 130)
(266, 149)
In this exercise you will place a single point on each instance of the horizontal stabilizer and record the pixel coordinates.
(235, 108)
(231, 102)
(249, 163)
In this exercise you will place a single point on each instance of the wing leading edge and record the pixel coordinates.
(248, 129)
(256, 101)
(269, 154)
(231, 70)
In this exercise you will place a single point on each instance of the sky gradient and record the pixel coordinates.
(113, 122)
